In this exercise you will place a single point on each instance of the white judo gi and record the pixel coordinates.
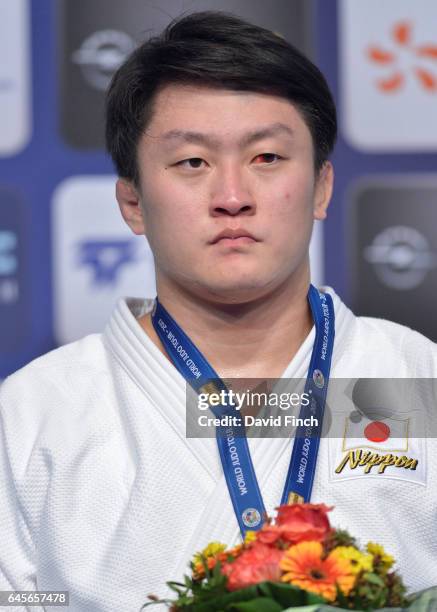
(102, 494)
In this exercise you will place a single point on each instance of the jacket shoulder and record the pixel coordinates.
(410, 353)
(57, 377)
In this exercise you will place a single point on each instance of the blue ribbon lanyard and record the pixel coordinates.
(232, 441)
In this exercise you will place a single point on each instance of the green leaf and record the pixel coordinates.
(177, 587)
(217, 604)
(373, 579)
(155, 603)
(342, 599)
(425, 601)
(316, 608)
(259, 604)
(288, 595)
(284, 595)
(188, 582)
(312, 598)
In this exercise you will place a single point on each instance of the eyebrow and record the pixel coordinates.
(209, 140)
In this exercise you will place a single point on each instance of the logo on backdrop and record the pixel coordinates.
(101, 54)
(405, 58)
(15, 101)
(401, 257)
(15, 308)
(389, 74)
(106, 258)
(9, 289)
(8, 257)
(96, 258)
(96, 36)
(393, 249)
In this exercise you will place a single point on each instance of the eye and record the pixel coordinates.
(268, 158)
(193, 162)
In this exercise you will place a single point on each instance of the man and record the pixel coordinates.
(221, 133)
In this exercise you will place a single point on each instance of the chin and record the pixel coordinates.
(234, 292)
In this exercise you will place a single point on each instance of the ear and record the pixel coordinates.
(129, 201)
(323, 190)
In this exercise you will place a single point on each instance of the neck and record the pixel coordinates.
(256, 339)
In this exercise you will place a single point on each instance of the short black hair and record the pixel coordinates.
(219, 50)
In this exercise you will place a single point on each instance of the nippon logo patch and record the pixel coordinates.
(382, 435)
(378, 448)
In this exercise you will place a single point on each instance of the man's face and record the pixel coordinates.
(228, 192)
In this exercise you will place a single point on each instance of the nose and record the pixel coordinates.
(231, 194)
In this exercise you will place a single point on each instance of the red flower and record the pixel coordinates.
(297, 523)
(256, 564)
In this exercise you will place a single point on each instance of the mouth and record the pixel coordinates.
(234, 237)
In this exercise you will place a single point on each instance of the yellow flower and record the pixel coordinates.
(305, 567)
(212, 550)
(250, 537)
(358, 560)
(378, 551)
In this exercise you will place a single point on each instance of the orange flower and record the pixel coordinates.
(297, 523)
(255, 564)
(199, 568)
(211, 561)
(305, 568)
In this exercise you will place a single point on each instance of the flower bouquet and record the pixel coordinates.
(297, 561)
